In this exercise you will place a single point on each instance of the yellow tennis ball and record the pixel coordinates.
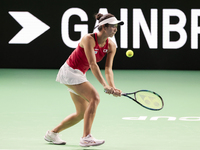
(129, 53)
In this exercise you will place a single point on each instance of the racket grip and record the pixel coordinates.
(121, 93)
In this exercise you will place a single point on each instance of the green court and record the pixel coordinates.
(32, 102)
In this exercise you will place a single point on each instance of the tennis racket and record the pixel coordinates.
(147, 99)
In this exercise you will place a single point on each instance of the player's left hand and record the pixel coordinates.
(117, 92)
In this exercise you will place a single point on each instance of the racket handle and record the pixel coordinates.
(121, 93)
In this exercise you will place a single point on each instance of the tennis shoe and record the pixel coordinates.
(90, 141)
(54, 138)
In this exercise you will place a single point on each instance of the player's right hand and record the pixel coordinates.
(109, 90)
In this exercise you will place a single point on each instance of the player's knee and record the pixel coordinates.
(95, 100)
(80, 116)
(81, 112)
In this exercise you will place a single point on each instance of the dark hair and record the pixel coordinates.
(102, 17)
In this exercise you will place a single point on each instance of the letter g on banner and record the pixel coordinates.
(83, 28)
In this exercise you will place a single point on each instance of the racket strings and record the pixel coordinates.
(149, 100)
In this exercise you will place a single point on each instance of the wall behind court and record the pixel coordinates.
(42, 34)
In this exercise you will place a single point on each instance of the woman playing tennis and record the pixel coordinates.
(91, 49)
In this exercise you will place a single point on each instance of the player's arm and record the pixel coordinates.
(108, 67)
(88, 44)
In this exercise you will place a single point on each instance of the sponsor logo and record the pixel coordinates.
(168, 118)
(32, 27)
(151, 29)
(96, 50)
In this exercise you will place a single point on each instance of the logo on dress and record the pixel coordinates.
(105, 50)
(96, 50)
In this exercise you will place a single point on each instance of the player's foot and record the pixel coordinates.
(90, 141)
(54, 138)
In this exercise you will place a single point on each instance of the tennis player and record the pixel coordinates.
(91, 49)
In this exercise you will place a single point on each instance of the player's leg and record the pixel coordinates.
(81, 105)
(89, 93)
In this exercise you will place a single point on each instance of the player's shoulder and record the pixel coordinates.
(88, 38)
(111, 44)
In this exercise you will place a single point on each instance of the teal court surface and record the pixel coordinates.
(32, 102)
